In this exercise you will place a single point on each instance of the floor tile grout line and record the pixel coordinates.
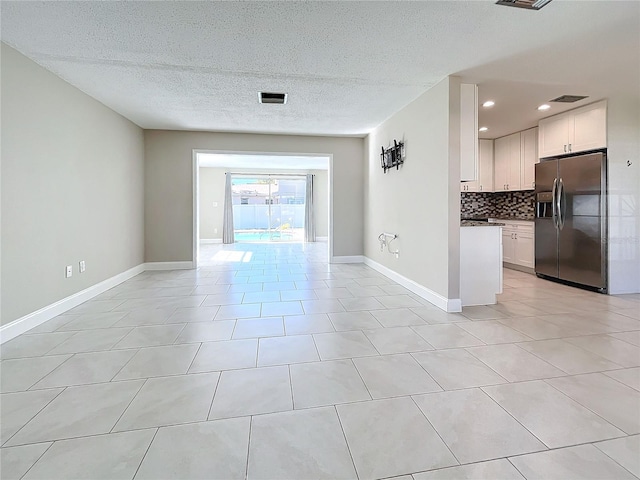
(346, 441)
(215, 390)
(33, 416)
(542, 359)
(507, 381)
(146, 452)
(514, 466)
(563, 447)
(546, 381)
(194, 357)
(126, 363)
(595, 444)
(246, 469)
(426, 371)
(129, 404)
(293, 403)
(513, 416)
(563, 370)
(434, 428)
(353, 363)
(606, 372)
(38, 459)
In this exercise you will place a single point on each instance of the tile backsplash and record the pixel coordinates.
(519, 204)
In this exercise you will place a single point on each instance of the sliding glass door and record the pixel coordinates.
(268, 208)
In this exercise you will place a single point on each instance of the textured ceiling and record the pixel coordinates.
(347, 66)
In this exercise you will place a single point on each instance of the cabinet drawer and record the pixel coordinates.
(525, 227)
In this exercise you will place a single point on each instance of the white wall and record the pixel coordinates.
(169, 180)
(72, 188)
(624, 194)
(212, 182)
(421, 201)
(211, 191)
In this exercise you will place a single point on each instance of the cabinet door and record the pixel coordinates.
(553, 136)
(508, 247)
(524, 249)
(501, 164)
(485, 164)
(468, 132)
(588, 128)
(469, 186)
(529, 157)
(513, 176)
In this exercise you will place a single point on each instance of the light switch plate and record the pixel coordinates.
(82, 266)
(69, 271)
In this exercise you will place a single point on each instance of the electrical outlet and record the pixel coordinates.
(68, 271)
(82, 267)
(215, 204)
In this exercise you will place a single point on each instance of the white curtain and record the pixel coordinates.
(309, 221)
(227, 223)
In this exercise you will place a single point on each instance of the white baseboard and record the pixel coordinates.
(210, 241)
(322, 239)
(168, 265)
(32, 320)
(450, 305)
(348, 259)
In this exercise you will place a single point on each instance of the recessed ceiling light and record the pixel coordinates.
(544, 107)
(488, 104)
(483, 129)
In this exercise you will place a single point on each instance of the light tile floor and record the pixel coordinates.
(267, 362)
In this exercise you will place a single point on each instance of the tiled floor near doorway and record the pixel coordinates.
(268, 363)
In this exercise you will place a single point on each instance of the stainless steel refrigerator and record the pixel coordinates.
(571, 219)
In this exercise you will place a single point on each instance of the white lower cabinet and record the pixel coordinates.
(508, 245)
(518, 243)
(480, 265)
(524, 251)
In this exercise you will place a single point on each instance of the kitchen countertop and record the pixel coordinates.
(479, 223)
(519, 219)
(484, 219)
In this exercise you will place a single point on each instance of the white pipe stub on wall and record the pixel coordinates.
(385, 240)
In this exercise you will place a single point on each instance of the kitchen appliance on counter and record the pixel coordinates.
(571, 219)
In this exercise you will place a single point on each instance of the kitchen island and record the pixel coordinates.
(480, 262)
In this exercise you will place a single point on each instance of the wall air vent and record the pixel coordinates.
(528, 4)
(270, 97)
(568, 98)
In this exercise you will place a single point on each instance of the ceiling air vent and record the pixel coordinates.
(568, 98)
(528, 4)
(270, 97)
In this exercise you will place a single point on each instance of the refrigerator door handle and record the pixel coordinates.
(554, 202)
(560, 204)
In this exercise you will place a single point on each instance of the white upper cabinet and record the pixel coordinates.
(553, 136)
(515, 157)
(485, 166)
(589, 128)
(515, 161)
(578, 130)
(506, 174)
(485, 169)
(468, 132)
(501, 164)
(529, 157)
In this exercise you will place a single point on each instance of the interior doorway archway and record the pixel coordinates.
(209, 169)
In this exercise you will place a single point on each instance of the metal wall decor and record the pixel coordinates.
(392, 156)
